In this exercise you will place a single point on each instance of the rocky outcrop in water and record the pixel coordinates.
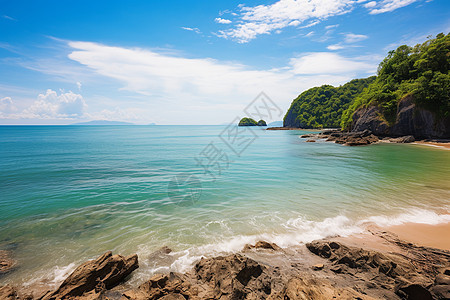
(7, 263)
(346, 138)
(262, 123)
(91, 279)
(410, 120)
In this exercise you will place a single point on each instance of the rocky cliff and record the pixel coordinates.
(410, 120)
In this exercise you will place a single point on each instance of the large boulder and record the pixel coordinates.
(90, 279)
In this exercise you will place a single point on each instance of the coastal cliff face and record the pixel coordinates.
(410, 120)
(290, 120)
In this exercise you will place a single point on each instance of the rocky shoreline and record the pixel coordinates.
(365, 137)
(333, 268)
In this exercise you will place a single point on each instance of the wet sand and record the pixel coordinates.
(435, 236)
(443, 145)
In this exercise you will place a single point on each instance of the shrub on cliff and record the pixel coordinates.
(422, 71)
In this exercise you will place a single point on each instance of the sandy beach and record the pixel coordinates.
(435, 236)
(443, 145)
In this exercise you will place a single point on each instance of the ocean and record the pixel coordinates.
(70, 193)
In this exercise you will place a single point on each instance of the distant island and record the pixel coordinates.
(104, 122)
(275, 124)
(251, 122)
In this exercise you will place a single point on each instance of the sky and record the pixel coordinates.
(191, 62)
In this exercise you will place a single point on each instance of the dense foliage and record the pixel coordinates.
(422, 71)
(247, 122)
(322, 107)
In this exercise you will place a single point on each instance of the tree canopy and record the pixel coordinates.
(322, 107)
(422, 71)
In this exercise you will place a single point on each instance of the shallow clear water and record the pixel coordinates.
(69, 193)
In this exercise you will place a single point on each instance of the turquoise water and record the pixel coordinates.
(69, 193)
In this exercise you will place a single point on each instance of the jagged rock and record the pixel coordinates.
(358, 258)
(402, 139)
(90, 279)
(7, 263)
(234, 276)
(8, 293)
(172, 286)
(317, 267)
(262, 245)
(310, 141)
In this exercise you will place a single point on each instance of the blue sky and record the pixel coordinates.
(191, 62)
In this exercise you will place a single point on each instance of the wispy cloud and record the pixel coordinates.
(350, 38)
(331, 26)
(354, 38)
(387, 5)
(196, 30)
(9, 18)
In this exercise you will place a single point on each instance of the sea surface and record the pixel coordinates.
(70, 193)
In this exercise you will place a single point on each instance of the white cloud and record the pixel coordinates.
(53, 106)
(335, 47)
(331, 26)
(309, 34)
(7, 106)
(310, 24)
(329, 63)
(192, 89)
(79, 85)
(353, 38)
(390, 5)
(222, 21)
(370, 4)
(264, 19)
(196, 30)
